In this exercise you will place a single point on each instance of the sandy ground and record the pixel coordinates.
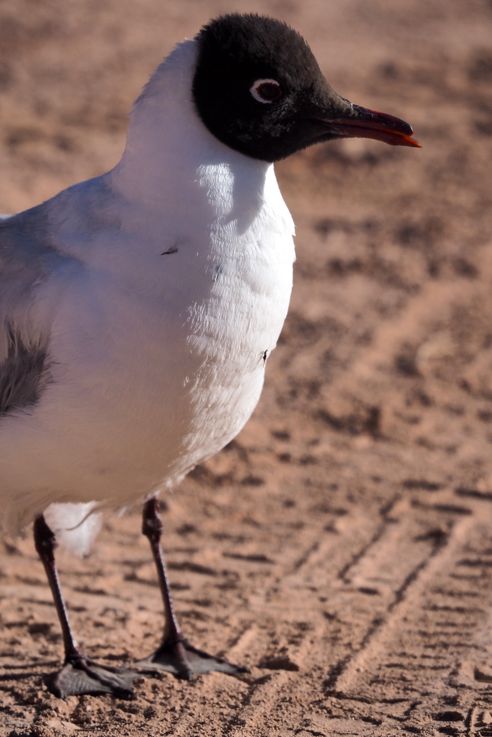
(340, 547)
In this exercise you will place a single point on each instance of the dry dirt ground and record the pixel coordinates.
(341, 546)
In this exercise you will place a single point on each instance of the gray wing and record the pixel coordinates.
(26, 258)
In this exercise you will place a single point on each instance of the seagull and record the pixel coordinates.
(138, 308)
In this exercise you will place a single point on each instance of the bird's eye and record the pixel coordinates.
(266, 91)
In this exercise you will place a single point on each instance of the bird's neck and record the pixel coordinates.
(168, 147)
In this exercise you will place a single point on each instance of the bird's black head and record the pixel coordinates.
(259, 90)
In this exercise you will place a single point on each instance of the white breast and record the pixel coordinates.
(235, 324)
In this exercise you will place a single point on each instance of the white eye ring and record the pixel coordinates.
(254, 89)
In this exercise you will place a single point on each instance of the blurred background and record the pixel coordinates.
(340, 547)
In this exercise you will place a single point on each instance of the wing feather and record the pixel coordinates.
(26, 259)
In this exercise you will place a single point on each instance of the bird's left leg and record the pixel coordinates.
(79, 675)
(175, 654)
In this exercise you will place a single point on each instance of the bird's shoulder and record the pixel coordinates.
(24, 245)
(37, 243)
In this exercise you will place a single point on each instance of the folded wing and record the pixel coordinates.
(26, 259)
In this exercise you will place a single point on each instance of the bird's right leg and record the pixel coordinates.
(175, 654)
(79, 675)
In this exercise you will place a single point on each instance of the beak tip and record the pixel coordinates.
(411, 141)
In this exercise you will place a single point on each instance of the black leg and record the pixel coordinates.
(79, 675)
(174, 655)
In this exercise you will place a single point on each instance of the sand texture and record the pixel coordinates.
(341, 546)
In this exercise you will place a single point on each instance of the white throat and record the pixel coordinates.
(168, 145)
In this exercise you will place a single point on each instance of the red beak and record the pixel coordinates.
(364, 123)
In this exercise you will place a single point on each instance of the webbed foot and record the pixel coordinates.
(82, 676)
(185, 661)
